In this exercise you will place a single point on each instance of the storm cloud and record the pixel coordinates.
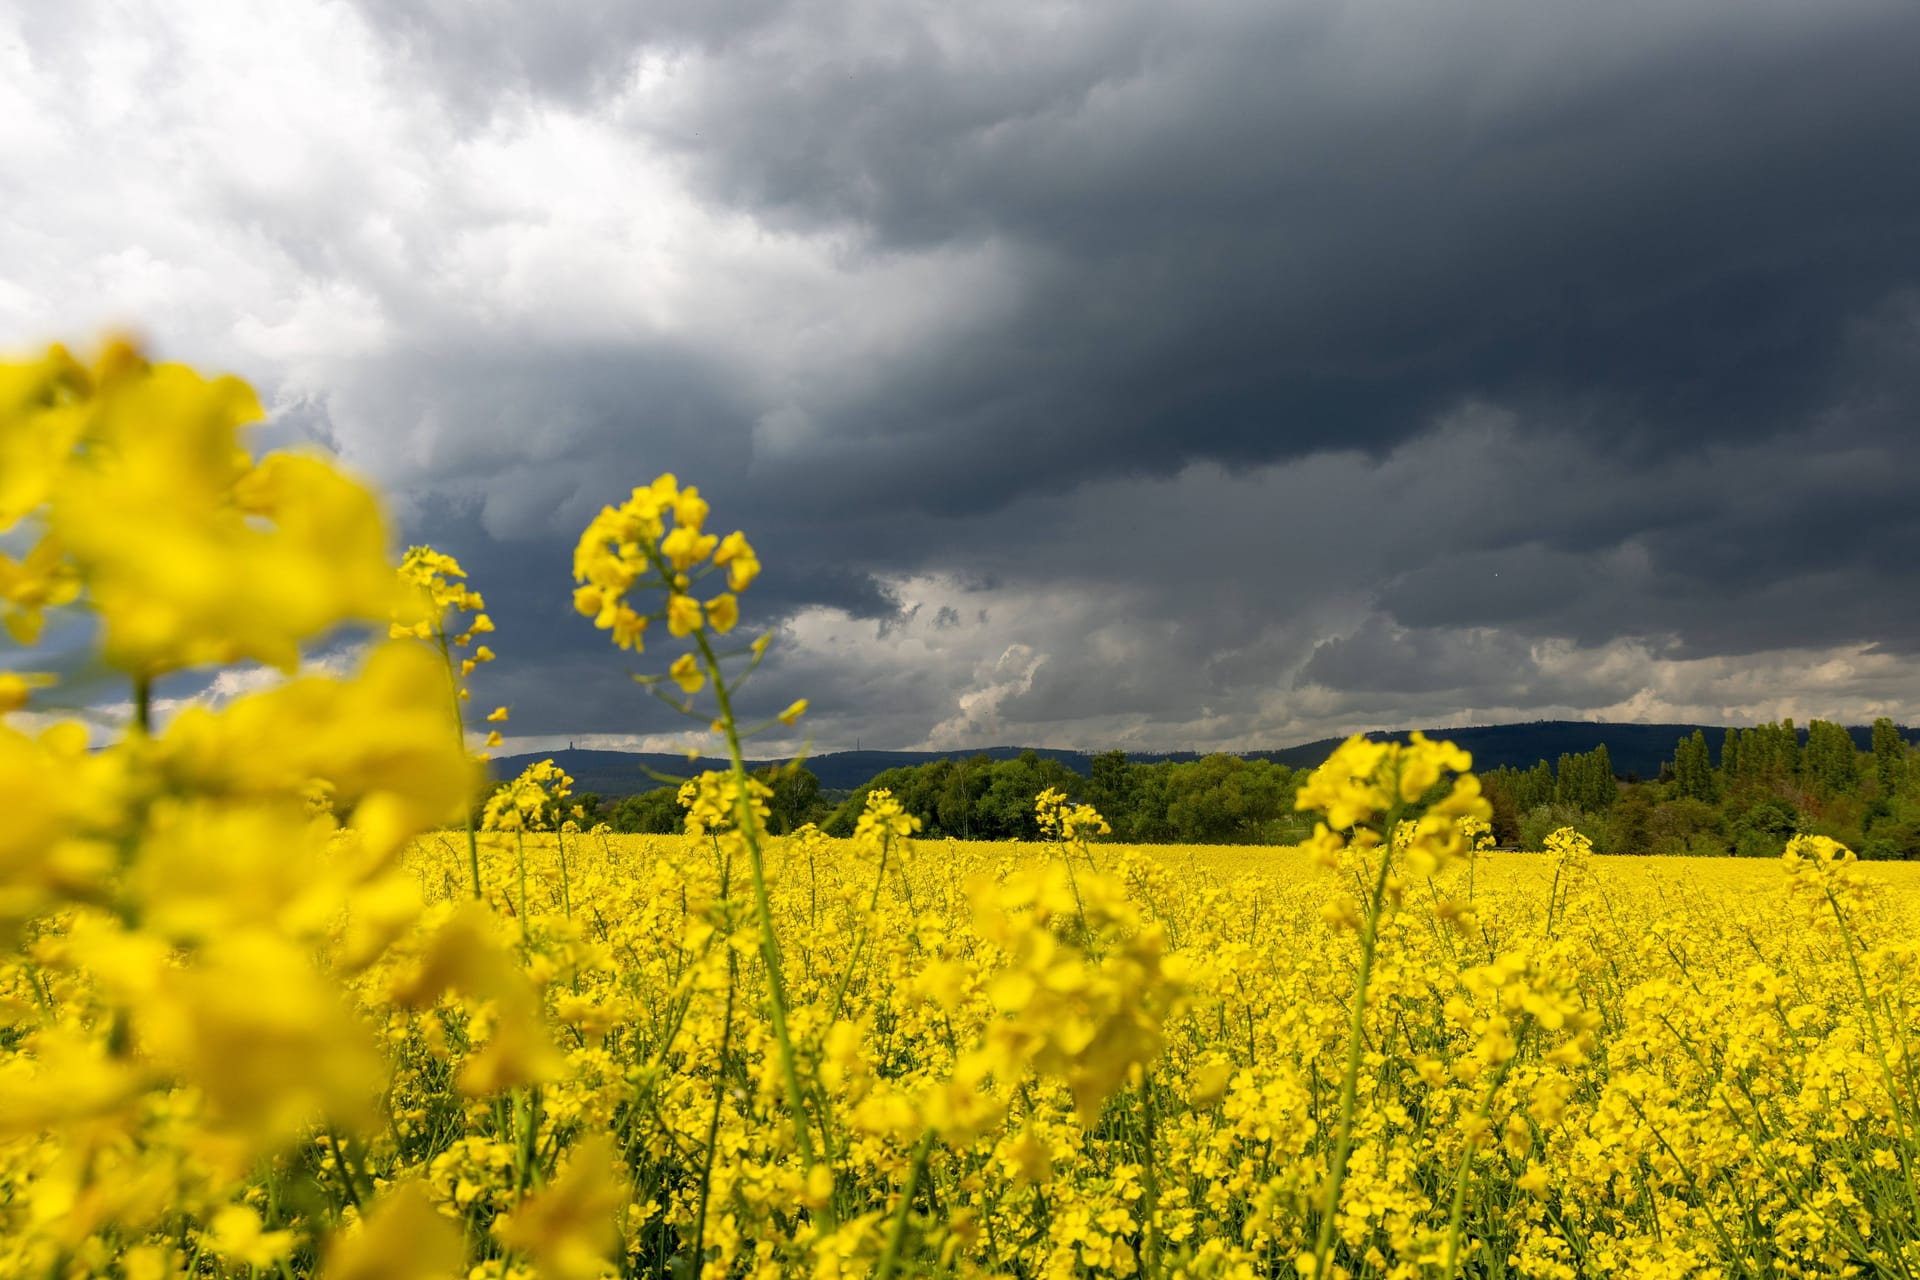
(1223, 374)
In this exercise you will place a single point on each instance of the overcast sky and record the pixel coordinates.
(1211, 374)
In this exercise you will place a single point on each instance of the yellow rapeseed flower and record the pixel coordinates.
(743, 566)
(569, 1227)
(686, 673)
(239, 1236)
(684, 548)
(690, 509)
(403, 1238)
(683, 614)
(628, 628)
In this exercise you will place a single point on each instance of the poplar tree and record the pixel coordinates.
(1889, 757)
(1693, 769)
(1829, 762)
(1606, 790)
(1534, 788)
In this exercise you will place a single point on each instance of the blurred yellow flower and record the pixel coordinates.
(686, 673)
(403, 1238)
(683, 615)
(738, 556)
(569, 1227)
(239, 1237)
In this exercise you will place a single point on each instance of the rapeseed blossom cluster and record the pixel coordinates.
(656, 539)
(449, 615)
(445, 613)
(262, 1013)
(153, 889)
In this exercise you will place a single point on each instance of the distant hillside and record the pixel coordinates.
(1634, 748)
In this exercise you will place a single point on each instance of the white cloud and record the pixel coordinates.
(268, 188)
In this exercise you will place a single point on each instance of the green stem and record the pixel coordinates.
(1350, 1078)
(460, 734)
(860, 939)
(143, 704)
(528, 1122)
(473, 853)
(713, 1121)
(1457, 1215)
(897, 1236)
(1553, 894)
(1149, 1182)
(346, 1172)
(769, 939)
(1903, 1148)
(520, 845)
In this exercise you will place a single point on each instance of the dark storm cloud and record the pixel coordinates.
(1254, 232)
(1380, 657)
(1249, 231)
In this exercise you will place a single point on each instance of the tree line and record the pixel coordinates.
(1217, 799)
(1746, 796)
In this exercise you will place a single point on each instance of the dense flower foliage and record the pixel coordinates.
(263, 1011)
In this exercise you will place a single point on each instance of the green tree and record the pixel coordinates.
(965, 783)
(1110, 790)
(1892, 830)
(1693, 770)
(1763, 830)
(796, 797)
(1548, 818)
(1535, 788)
(1889, 757)
(1630, 825)
(1222, 799)
(655, 812)
(1606, 787)
(1830, 763)
(1005, 810)
(1151, 791)
(1687, 827)
(1498, 785)
(841, 821)
(1586, 782)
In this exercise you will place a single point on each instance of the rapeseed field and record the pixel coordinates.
(265, 1012)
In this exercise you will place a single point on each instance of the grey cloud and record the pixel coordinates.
(1251, 231)
(1381, 657)
(1261, 231)
(574, 51)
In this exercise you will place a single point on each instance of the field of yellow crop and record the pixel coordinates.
(1694, 1085)
(262, 1013)
(1685, 1078)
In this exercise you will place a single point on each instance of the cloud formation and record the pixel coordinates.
(1089, 373)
